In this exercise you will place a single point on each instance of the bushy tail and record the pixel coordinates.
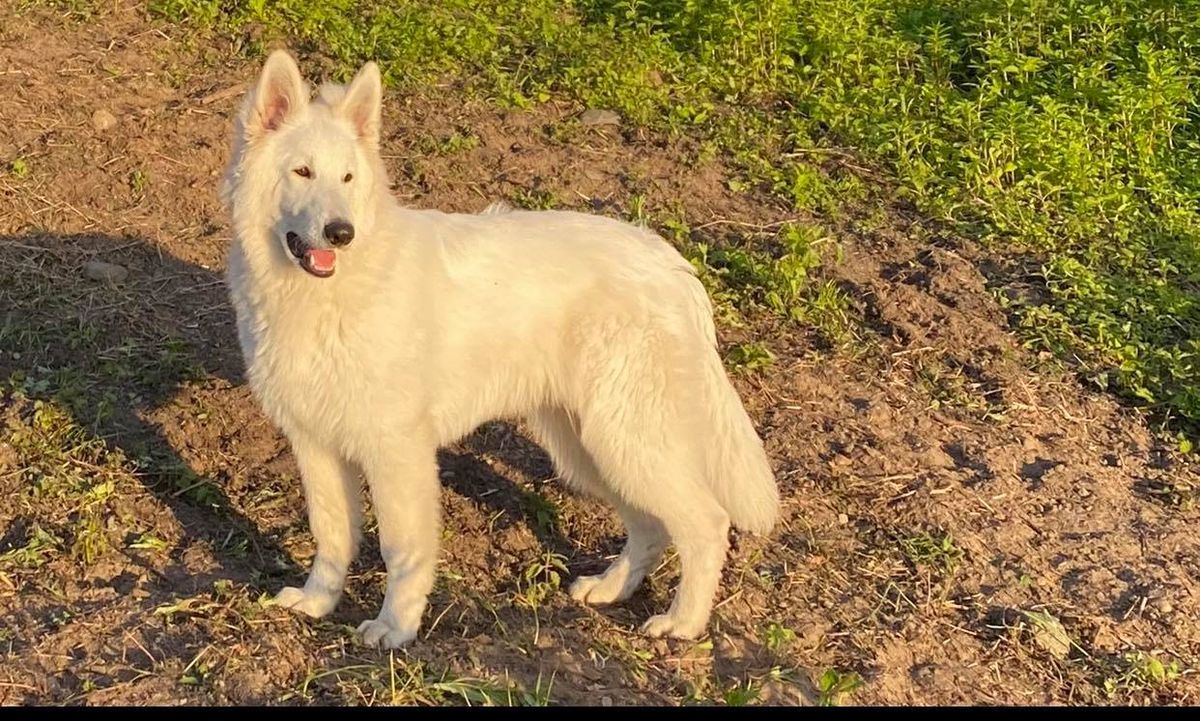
(738, 471)
(736, 463)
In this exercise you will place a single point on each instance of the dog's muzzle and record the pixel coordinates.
(319, 262)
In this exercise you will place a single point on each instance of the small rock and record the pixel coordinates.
(843, 519)
(107, 272)
(597, 117)
(1104, 638)
(1160, 601)
(606, 700)
(103, 121)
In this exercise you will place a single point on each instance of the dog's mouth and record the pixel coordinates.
(317, 261)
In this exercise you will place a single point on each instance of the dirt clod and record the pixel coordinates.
(597, 117)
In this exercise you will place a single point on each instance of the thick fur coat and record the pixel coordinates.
(373, 334)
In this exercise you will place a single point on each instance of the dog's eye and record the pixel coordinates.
(303, 171)
(348, 178)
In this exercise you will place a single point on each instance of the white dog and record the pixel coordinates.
(374, 334)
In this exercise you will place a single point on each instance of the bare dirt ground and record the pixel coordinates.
(964, 523)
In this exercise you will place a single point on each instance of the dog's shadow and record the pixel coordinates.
(108, 348)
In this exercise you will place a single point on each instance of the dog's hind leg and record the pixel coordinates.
(646, 538)
(404, 494)
(331, 490)
(699, 529)
(651, 465)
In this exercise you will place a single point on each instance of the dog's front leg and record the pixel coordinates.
(404, 493)
(331, 491)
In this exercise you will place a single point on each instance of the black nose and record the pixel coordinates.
(339, 232)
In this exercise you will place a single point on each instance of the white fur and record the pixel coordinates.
(593, 331)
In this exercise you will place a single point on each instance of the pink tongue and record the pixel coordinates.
(321, 259)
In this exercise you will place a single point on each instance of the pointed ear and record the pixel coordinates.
(363, 103)
(280, 94)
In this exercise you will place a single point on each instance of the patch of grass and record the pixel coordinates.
(90, 538)
(40, 545)
(541, 579)
(745, 277)
(638, 212)
(181, 480)
(74, 9)
(835, 685)
(19, 168)
(227, 605)
(534, 199)
(149, 542)
(949, 386)
(749, 357)
(1141, 672)
(1066, 127)
(457, 142)
(742, 693)
(777, 637)
(935, 551)
(61, 462)
(542, 511)
(138, 182)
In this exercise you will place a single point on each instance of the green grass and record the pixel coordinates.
(1064, 127)
(835, 685)
(777, 637)
(778, 274)
(19, 168)
(934, 551)
(541, 579)
(62, 463)
(748, 357)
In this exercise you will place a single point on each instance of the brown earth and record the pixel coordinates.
(1071, 561)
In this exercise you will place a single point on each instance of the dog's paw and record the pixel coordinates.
(664, 624)
(380, 634)
(599, 590)
(315, 605)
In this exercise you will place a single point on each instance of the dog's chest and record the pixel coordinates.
(306, 371)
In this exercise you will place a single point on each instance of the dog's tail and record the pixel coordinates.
(739, 473)
(737, 468)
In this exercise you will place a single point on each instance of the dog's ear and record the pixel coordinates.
(279, 94)
(363, 103)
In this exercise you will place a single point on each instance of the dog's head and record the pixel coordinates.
(306, 171)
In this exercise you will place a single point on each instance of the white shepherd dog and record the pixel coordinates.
(373, 334)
